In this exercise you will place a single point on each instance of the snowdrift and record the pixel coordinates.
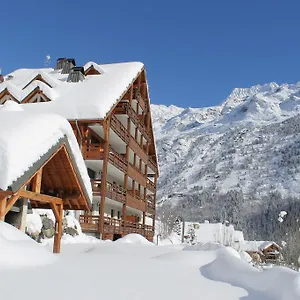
(19, 250)
(277, 283)
(134, 238)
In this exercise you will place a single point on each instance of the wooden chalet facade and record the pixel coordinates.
(120, 155)
(118, 149)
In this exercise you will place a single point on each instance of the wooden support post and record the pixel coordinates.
(104, 176)
(58, 212)
(37, 181)
(2, 208)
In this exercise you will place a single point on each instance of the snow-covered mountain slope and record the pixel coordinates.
(248, 146)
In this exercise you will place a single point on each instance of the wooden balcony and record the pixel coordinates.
(89, 223)
(139, 98)
(126, 109)
(135, 174)
(152, 165)
(119, 129)
(151, 186)
(93, 152)
(113, 190)
(135, 202)
(114, 226)
(118, 160)
(123, 133)
(150, 205)
(136, 148)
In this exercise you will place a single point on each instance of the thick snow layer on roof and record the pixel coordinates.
(25, 137)
(90, 99)
(96, 66)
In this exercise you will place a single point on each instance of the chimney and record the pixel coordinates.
(68, 65)
(1, 76)
(76, 74)
(60, 63)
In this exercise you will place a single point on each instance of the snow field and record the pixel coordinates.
(130, 269)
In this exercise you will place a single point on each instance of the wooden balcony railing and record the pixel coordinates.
(113, 190)
(118, 160)
(120, 129)
(123, 133)
(91, 224)
(135, 202)
(151, 186)
(152, 165)
(93, 151)
(125, 227)
(136, 175)
(136, 148)
(139, 98)
(126, 108)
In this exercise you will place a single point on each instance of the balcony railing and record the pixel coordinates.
(152, 165)
(139, 98)
(118, 160)
(135, 201)
(120, 129)
(113, 190)
(89, 223)
(126, 108)
(151, 186)
(115, 226)
(93, 151)
(123, 133)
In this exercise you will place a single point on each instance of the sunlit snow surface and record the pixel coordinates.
(134, 269)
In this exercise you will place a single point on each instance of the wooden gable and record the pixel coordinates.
(6, 95)
(91, 71)
(38, 77)
(36, 91)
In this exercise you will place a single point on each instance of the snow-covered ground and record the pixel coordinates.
(133, 268)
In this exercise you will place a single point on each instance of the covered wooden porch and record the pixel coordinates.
(53, 182)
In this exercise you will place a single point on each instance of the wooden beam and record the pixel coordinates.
(58, 212)
(55, 210)
(10, 202)
(2, 208)
(39, 197)
(37, 181)
(106, 127)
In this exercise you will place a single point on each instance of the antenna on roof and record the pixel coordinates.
(1, 76)
(47, 61)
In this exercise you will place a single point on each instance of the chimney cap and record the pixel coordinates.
(71, 60)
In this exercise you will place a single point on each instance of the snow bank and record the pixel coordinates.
(134, 238)
(276, 283)
(19, 250)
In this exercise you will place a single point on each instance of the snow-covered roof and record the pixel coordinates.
(90, 99)
(25, 137)
(267, 244)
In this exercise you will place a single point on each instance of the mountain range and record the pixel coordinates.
(232, 162)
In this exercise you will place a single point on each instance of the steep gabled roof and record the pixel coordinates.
(92, 98)
(28, 140)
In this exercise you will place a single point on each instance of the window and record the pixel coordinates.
(112, 213)
(119, 215)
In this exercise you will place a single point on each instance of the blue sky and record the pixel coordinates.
(195, 52)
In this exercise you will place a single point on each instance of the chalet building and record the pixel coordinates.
(109, 110)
